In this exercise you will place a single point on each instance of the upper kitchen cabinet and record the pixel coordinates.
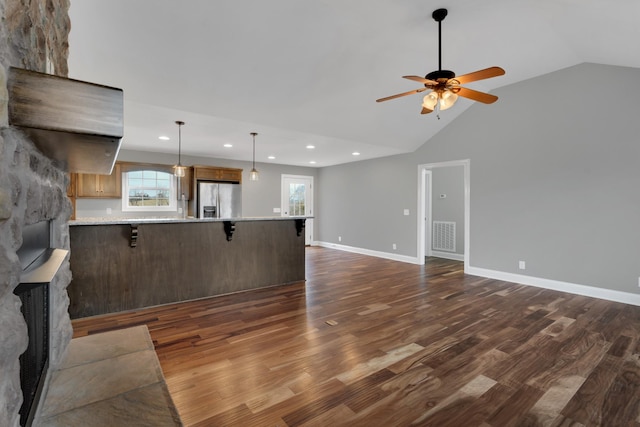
(100, 186)
(71, 189)
(211, 173)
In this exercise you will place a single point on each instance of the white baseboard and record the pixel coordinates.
(556, 285)
(448, 255)
(361, 251)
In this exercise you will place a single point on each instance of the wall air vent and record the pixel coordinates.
(444, 236)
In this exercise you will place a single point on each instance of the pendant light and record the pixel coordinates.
(253, 175)
(179, 170)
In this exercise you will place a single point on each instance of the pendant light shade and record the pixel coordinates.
(179, 170)
(253, 175)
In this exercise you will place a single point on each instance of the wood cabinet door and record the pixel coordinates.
(87, 185)
(71, 189)
(212, 173)
(99, 186)
(111, 185)
(230, 175)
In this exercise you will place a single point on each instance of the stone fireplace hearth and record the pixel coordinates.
(34, 36)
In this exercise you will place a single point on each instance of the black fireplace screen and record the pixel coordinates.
(35, 360)
(33, 291)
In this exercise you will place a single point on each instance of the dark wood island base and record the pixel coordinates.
(125, 265)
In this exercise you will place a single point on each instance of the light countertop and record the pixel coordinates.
(116, 221)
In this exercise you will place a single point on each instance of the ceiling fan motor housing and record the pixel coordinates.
(440, 74)
(439, 14)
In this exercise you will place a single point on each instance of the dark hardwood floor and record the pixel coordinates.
(373, 342)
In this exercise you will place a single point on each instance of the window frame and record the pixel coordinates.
(173, 204)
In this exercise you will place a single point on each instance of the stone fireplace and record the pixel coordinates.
(34, 36)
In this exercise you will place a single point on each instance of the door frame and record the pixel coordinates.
(425, 198)
(309, 202)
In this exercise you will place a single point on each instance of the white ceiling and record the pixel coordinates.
(303, 72)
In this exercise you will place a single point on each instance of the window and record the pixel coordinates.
(148, 190)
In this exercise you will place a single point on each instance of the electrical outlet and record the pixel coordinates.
(522, 265)
(639, 282)
(339, 238)
(394, 247)
(406, 211)
(108, 211)
(276, 210)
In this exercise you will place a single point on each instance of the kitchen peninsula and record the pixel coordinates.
(125, 264)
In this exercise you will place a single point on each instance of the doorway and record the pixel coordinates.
(425, 207)
(297, 200)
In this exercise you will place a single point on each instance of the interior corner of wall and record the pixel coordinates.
(4, 98)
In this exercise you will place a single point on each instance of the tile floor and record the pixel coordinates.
(109, 379)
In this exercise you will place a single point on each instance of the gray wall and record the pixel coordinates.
(258, 198)
(449, 181)
(554, 175)
(363, 202)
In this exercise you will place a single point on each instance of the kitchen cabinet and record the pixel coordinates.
(100, 186)
(211, 173)
(71, 189)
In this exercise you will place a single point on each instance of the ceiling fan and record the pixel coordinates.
(445, 86)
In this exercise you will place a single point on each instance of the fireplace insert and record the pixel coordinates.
(40, 264)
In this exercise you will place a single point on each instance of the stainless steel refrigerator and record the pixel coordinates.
(218, 200)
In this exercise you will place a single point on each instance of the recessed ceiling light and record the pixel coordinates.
(313, 162)
(164, 138)
(311, 147)
(271, 157)
(228, 145)
(355, 153)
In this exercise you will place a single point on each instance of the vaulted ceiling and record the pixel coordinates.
(302, 72)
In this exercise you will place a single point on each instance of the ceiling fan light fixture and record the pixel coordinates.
(445, 85)
(430, 101)
(447, 99)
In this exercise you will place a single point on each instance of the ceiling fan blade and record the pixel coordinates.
(476, 96)
(411, 92)
(421, 80)
(426, 111)
(480, 75)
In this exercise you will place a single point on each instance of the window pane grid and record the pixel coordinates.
(296, 199)
(148, 189)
